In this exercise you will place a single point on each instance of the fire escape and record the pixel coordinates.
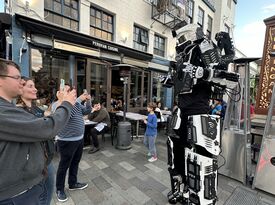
(168, 12)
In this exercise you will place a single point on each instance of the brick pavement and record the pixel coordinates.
(125, 177)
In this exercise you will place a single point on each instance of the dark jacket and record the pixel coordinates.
(21, 155)
(101, 115)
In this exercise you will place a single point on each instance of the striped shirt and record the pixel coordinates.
(74, 129)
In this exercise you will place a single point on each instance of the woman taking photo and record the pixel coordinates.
(26, 102)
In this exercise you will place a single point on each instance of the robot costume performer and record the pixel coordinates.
(199, 73)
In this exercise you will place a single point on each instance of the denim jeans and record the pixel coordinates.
(49, 182)
(37, 195)
(149, 142)
(70, 156)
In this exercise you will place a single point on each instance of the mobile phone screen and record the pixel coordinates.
(62, 84)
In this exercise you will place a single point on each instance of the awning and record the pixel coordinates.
(158, 67)
(35, 26)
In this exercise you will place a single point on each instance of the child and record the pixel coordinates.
(151, 132)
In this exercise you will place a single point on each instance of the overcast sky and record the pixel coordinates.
(249, 31)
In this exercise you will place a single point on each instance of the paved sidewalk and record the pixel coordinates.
(125, 177)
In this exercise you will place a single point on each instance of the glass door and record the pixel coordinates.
(98, 79)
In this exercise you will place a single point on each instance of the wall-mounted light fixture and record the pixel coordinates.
(124, 36)
(27, 6)
(124, 40)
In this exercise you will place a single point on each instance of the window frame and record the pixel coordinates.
(200, 17)
(61, 14)
(157, 50)
(102, 22)
(140, 38)
(190, 11)
(209, 26)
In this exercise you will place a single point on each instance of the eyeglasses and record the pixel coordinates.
(17, 77)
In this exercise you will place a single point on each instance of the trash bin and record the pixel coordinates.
(124, 135)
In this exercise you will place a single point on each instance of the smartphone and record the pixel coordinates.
(85, 91)
(62, 84)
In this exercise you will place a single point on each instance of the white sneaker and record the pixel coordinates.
(152, 159)
(149, 154)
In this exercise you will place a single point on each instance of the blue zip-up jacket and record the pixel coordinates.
(152, 124)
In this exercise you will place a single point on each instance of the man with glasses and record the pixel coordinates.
(22, 159)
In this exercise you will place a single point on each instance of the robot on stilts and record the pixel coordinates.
(199, 74)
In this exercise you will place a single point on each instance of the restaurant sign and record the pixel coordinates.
(104, 46)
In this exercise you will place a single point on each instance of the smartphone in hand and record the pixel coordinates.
(85, 91)
(62, 84)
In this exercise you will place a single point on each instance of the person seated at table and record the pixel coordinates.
(119, 105)
(100, 115)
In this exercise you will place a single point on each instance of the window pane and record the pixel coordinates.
(135, 89)
(98, 82)
(66, 23)
(98, 14)
(92, 21)
(74, 4)
(110, 37)
(67, 2)
(105, 17)
(98, 33)
(110, 19)
(92, 12)
(48, 4)
(98, 23)
(74, 25)
(104, 35)
(48, 16)
(104, 26)
(145, 89)
(74, 14)
(110, 27)
(92, 31)
(67, 11)
(47, 69)
(57, 7)
(57, 19)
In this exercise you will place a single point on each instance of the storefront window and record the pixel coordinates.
(117, 90)
(98, 82)
(160, 93)
(47, 70)
(146, 90)
(135, 89)
(81, 76)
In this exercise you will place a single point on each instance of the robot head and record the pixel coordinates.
(187, 32)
